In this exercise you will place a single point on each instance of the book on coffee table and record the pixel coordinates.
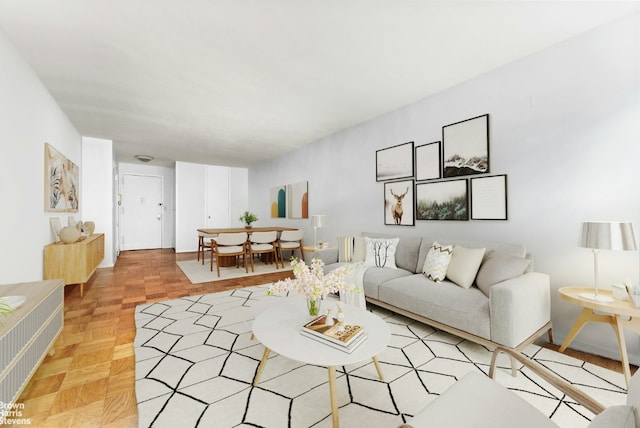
(348, 348)
(340, 334)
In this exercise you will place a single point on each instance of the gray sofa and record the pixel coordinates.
(513, 312)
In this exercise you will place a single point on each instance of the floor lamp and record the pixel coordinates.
(616, 236)
(317, 221)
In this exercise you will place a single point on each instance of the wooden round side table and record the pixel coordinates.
(617, 313)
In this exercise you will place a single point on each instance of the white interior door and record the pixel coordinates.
(141, 212)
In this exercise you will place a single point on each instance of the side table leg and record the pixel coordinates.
(333, 397)
(585, 316)
(378, 368)
(617, 328)
(263, 362)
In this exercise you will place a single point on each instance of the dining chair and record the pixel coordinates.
(263, 243)
(229, 245)
(290, 240)
(204, 244)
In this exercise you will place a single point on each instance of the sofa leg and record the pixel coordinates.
(550, 334)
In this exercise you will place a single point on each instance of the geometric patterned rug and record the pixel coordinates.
(195, 363)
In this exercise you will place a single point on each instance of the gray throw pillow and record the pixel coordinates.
(497, 268)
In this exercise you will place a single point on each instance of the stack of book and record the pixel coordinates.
(340, 335)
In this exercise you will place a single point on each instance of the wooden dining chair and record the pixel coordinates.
(263, 243)
(204, 244)
(290, 240)
(229, 245)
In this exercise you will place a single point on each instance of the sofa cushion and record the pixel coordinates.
(407, 251)
(437, 262)
(381, 252)
(374, 276)
(445, 302)
(464, 265)
(499, 267)
(345, 248)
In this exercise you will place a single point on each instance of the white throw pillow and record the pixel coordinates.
(437, 262)
(464, 265)
(615, 416)
(359, 249)
(381, 252)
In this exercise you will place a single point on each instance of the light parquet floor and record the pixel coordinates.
(89, 381)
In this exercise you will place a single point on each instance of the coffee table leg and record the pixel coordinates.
(263, 362)
(333, 396)
(378, 368)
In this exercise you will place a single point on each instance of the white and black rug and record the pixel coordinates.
(195, 363)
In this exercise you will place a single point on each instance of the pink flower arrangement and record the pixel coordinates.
(311, 280)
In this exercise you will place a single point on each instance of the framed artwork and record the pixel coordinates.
(399, 203)
(278, 199)
(298, 200)
(428, 163)
(61, 180)
(443, 200)
(395, 162)
(56, 227)
(489, 198)
(466, 147)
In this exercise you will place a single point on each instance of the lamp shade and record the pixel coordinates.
(318, 221)
(608, 236)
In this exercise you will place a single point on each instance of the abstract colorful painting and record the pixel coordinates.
(61, 181)
(278, 198)
(298, 200)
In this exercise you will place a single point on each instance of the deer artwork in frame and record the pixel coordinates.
(399, 203)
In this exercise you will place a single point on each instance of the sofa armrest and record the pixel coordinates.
(519, 307)
(327, 255)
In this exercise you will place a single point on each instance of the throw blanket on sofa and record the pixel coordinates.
(355, 275)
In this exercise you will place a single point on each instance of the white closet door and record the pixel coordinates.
(217, 200)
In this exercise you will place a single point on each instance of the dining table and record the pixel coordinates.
(249, 230)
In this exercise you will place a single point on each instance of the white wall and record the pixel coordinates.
(168, 196)
(29, 117)
(564, 127)
(97, 192)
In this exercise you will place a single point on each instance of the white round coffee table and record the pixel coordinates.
(278, 329)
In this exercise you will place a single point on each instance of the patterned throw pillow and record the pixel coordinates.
(437, 262)
(345, 248)
(381, 252)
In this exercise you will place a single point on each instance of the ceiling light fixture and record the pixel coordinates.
(144, 158)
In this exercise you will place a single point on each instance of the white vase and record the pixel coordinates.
(69, 234)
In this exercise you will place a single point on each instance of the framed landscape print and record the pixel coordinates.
(428, 164)
(466, 147)
(394, 162)
(61, 180)
(399, 203)
(489, 198)
(443, 200)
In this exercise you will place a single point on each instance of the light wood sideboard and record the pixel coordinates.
(28, 334)
(74, 263)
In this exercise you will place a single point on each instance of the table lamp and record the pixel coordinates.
(617, 236)
(317, 221)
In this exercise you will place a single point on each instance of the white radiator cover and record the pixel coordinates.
(28, 334)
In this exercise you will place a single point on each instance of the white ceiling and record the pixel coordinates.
(237, 82)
